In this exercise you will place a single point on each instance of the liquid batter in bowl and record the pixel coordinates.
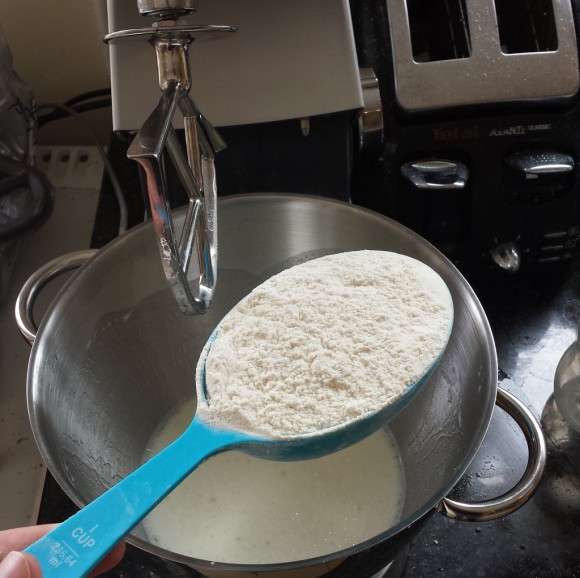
(236, 508)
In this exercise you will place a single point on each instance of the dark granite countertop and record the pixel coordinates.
(533, 320)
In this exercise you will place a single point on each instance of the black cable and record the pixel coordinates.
(88, 96)
(79, 108)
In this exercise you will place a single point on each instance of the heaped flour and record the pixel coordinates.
(325, 342)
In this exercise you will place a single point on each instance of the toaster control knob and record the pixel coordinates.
(541, 163)
(436, 174)
(507, 256)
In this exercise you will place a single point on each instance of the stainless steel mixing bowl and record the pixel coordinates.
(114, 356)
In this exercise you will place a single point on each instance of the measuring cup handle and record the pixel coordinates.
(77, 545)
(525, 488)
(24, 309)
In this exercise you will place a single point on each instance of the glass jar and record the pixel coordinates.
(567, 384)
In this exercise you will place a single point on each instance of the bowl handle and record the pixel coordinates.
(24, 308)
(528, 484)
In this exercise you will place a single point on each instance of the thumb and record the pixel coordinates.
(19, 565)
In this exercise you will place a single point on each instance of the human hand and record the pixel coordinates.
(16, 564)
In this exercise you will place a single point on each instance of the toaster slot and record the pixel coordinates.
(526, 26)
(439, 30)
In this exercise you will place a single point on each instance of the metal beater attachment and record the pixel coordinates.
(157, 144)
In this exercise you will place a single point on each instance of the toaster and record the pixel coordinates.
(481, 126)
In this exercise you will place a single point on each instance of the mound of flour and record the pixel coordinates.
(325, 342)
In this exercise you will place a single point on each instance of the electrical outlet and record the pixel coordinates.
(71, 166)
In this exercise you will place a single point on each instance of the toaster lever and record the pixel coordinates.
(436, 174)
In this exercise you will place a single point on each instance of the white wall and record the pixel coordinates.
(58, 50)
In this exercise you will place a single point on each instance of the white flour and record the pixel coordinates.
(326, 342)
